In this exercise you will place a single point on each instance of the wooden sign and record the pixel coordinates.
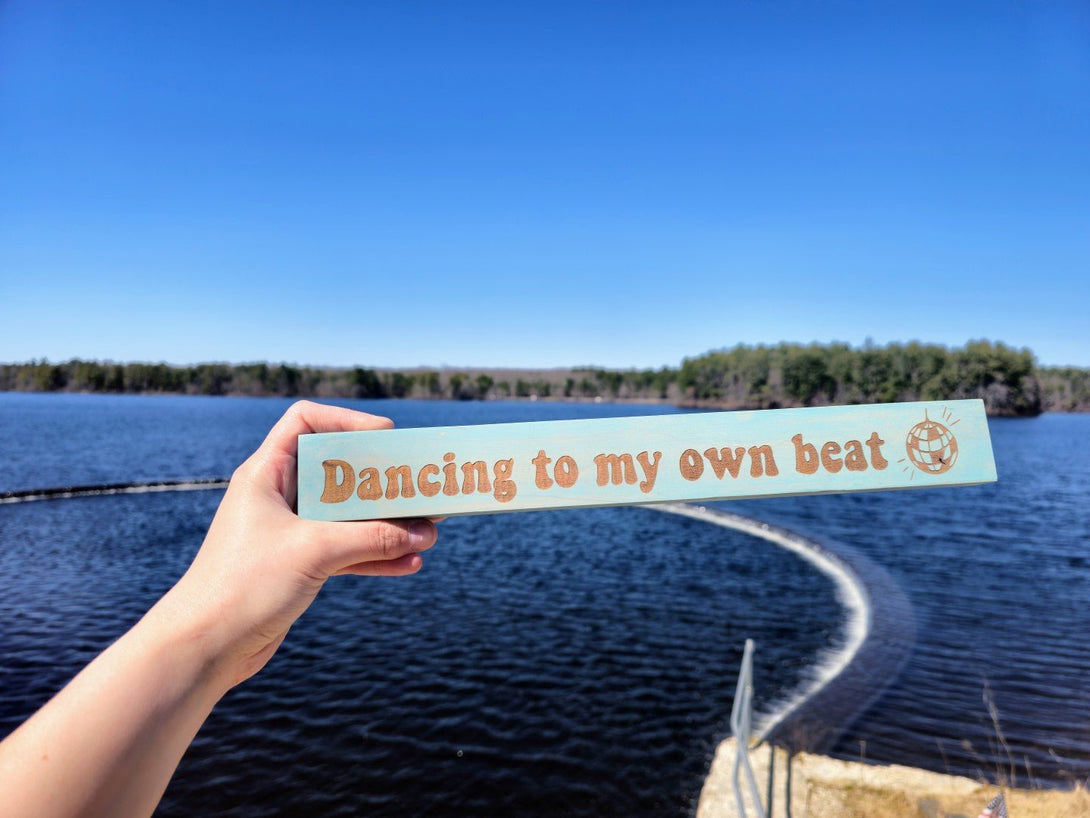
(443, 471)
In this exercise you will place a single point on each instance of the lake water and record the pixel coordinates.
(589, 669)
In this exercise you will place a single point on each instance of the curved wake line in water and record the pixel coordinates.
(845, 681)
(66, 492)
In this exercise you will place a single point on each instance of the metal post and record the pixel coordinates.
(741, 717)
(771, 778)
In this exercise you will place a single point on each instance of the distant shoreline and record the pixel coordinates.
(1007, 380)
(702, 406)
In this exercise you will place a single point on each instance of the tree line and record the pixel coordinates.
(742, 377)
(1006, 379)
(263, 379)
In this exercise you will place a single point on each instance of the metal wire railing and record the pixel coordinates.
(741, 720)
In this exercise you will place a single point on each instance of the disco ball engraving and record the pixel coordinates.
(931, 447)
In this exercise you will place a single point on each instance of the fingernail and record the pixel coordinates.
(420, 535)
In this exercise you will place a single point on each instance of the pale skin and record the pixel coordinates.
(108, 743)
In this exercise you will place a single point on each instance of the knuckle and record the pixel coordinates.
(391, 541)
(299, 407)
(241, 473)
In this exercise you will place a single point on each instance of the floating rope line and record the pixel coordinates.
(65, 492)
(845, 681)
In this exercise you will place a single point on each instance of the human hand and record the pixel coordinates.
(261, 566)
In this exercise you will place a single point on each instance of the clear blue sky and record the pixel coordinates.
(623, 184)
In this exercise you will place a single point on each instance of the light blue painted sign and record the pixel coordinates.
(443, 471)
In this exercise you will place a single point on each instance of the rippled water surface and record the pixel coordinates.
(999, 577)
(549, 663)
(546, 663)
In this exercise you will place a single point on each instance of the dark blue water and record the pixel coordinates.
(549, 663)
(999, 578)
(555, 662)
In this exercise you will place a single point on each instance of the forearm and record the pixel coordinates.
(109, 742)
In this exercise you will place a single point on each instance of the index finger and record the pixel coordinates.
(306, 417)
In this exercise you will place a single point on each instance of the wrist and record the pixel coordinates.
(191, 643)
